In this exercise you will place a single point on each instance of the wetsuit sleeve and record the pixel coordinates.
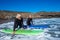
(21, 20)
(31, 21)
(15, 24)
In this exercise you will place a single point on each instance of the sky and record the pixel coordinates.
(30, 5)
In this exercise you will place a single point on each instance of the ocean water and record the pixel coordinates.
(52, 32)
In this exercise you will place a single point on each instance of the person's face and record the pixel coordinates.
(18, 16)
(30, 16)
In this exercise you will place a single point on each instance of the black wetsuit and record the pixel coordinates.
(29, 21)
(17, 23)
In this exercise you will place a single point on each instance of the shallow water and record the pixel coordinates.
(51, 33)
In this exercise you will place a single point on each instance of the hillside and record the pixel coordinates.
(11, 14)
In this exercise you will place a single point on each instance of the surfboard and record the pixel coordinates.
(24, 31)
(43, 26)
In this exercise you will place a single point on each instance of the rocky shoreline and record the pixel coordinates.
(6, 16)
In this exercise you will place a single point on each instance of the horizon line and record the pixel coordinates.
(29, 11)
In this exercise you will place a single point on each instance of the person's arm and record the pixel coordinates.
(15, 21)
(14, 26)
(22, 21)
(32, 21)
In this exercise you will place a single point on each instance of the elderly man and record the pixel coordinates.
(29, 21)
(18, 22)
